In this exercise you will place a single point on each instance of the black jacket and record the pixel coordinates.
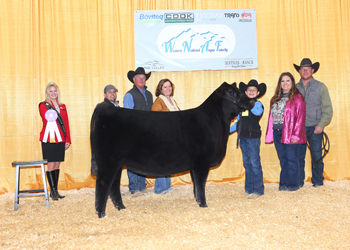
(248, 126)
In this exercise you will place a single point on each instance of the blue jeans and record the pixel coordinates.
(290, 170)
(162, 185)
(136, 182)
(251, 160)
(315, 142)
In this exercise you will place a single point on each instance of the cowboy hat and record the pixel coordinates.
(306, 62)
(138, 71)
(253, 83)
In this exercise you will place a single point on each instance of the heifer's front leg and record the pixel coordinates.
(200, 179)
(115, 192)
(194, 184)
(104, 182)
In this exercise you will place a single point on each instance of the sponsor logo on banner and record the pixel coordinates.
(153, 65)
(239, 63)
(214, 16)
(231, 15)
(246, 17)
(151, 18)
(182, 17)
(196, 41)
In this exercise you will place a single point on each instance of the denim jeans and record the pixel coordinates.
(251, 160)
(288, 155)
(162, 185)
(315, 142)
(136, 182)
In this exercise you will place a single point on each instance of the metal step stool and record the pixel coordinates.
(28, 164)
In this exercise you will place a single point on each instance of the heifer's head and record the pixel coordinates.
(235, 100)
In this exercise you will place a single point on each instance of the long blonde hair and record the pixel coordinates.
(47, 91)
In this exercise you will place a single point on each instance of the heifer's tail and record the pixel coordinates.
(93, 165)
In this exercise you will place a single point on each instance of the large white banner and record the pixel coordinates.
(174, 40)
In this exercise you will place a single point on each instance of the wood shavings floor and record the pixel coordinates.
(310, 218)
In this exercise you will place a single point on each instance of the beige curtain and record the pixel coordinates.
(84, 45)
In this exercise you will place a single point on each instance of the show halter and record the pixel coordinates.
(325, 148)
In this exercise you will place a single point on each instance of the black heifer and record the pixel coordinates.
(162, 143)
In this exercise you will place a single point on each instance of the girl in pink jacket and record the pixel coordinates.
(286, 128)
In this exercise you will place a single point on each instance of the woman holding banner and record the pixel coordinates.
(55, 135)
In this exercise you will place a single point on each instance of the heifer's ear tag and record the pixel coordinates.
(245, 113)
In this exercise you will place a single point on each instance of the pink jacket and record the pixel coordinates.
(293, 122)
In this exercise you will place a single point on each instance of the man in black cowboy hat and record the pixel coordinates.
(141, 99)
(249, 133)
(319, 113)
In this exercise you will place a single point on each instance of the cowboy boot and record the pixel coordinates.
(57, 175)
(53, 185)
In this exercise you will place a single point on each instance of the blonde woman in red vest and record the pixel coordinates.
(55, 135)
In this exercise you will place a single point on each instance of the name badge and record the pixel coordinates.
(245, 113)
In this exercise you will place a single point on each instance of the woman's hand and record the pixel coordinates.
(67, 145)
(293, 141)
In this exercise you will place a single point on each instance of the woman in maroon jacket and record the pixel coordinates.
(55, 135)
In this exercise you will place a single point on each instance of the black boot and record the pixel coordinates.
(57, 173)
(53, 185)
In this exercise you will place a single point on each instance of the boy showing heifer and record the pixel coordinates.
(249, 133)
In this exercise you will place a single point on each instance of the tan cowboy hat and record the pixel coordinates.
(306, 62)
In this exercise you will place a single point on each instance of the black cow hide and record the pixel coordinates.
(162, 143)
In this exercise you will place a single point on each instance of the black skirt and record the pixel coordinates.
(53, 152)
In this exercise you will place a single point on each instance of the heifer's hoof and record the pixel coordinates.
(203, 205)
(101, 215)
(120, 207)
